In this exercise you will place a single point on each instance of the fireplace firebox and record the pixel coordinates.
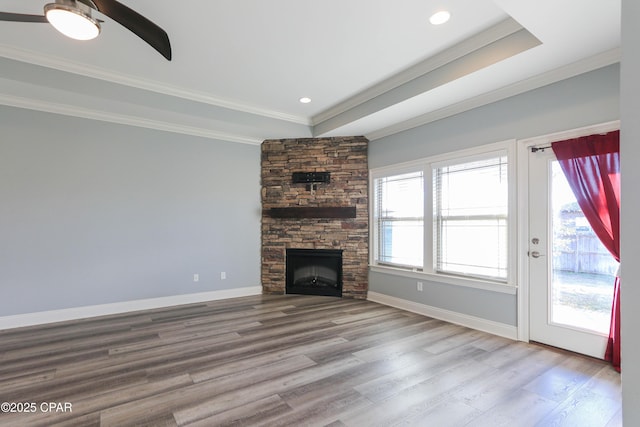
(314, 272)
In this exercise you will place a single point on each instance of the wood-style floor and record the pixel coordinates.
(294, 361)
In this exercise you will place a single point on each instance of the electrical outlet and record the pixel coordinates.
(196, 277)
(223, 275)
(419, 286)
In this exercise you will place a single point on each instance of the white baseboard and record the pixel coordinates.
(39, 318)
(489, 326)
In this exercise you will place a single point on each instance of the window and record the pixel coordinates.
(399, 219)
(447, 215)
(470, 216)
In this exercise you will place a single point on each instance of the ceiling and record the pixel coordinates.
(239, 67)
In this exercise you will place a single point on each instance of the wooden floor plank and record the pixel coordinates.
(293, 360)
(519, 409)
(410, 399)
(261, 411)
(259, 390)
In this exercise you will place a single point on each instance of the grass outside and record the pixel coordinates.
(583, 300)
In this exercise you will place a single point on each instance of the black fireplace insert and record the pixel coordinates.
(314, 272)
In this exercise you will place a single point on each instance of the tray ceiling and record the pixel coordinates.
(239, 67)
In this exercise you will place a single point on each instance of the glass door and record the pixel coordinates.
(571, 274)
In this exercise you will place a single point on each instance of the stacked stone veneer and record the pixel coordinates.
(346, 160)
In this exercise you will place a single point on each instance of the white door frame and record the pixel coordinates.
(522, 167)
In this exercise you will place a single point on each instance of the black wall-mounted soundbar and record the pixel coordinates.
(309, 177)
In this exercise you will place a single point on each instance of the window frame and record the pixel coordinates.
(375, 237)
(460, 161)
(427, 166)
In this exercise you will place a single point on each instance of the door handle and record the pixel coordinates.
(535, 254)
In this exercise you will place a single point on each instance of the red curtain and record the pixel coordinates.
(592, 167)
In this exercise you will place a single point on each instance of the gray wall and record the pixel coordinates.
(94, 213)
(630, 204)
(584, 100)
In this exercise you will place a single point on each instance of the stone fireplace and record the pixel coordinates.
(332, 215)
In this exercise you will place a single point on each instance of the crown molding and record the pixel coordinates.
(57, 63)
(492, 34)
(571, 70)
(74, 111)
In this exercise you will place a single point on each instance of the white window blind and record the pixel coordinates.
(470, 218)
(399, 219)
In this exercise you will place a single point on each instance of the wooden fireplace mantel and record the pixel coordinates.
(312, 212)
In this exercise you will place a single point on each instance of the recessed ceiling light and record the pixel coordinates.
(440, 17)
(305, 100)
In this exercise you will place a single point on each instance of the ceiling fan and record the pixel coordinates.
(73, 19)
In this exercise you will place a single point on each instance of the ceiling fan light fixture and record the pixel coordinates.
(72, 19)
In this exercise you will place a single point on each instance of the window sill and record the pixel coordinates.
(449, 280)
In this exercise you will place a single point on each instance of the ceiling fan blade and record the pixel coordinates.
(155, 36)
(21, 17)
